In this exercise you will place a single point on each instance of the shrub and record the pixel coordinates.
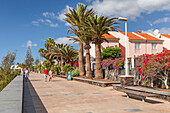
(56, 69)
(75, 73)
(42, 69)
(17, 73)
(46, 65)
(67, 68)
(6, 79)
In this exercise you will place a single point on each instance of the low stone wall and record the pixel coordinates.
(11, 97)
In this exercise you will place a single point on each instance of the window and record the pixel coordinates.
(137, 45)
(153, 46)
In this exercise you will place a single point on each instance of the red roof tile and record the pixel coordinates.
(133, 36)
(148, 37)
(109, 36)
(166, 35)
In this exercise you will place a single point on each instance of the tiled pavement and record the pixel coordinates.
(62, 96)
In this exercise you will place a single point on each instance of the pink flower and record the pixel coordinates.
(166, 67)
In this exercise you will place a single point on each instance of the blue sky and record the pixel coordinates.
(29, 22)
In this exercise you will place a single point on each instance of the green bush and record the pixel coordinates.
(5, 79)
(42, 69)
(46, 65)
(75, 73)
(17, 73)
(56, 69)
(67, 68)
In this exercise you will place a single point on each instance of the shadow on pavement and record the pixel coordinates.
(32, 102)
(146, 100)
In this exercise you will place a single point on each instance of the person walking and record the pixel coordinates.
(45, 74)
(50, 75)
(26, 74)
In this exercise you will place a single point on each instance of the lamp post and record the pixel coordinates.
(126, 60)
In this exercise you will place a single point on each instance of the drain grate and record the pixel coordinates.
(132, 110)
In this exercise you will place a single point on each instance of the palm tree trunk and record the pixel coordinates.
(99, 70)
(88, 64)
(81, 65)
(59, 63)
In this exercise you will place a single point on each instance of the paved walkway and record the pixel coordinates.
(62, 96)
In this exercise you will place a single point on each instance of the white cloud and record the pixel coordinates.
(147, 31)
(40, 20)
(165, 30)
(51, 15)
(53, 25)
(67, 24)
(30, 44)
(61, 15)
(36, 23)
(129, 8)
(162, 20)
(49, 21)
(64, 40)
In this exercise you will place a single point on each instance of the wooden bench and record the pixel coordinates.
(138, 94)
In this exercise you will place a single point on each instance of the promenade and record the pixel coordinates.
(62, 96)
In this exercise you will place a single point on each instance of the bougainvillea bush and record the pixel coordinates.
(155, 66)
(116, 63)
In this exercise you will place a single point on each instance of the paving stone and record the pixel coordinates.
(79, 97)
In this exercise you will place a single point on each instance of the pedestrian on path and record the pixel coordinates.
(26, 74)
(45, 74)
(50, 75)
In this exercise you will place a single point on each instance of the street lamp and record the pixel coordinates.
(126, 60)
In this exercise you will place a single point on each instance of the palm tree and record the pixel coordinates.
(49, 43)
(60, 50)
(55, 53)
(75, 18)
(68, 53)
(83, 38)
(97, 27)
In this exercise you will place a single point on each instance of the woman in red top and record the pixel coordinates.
(45, 74)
